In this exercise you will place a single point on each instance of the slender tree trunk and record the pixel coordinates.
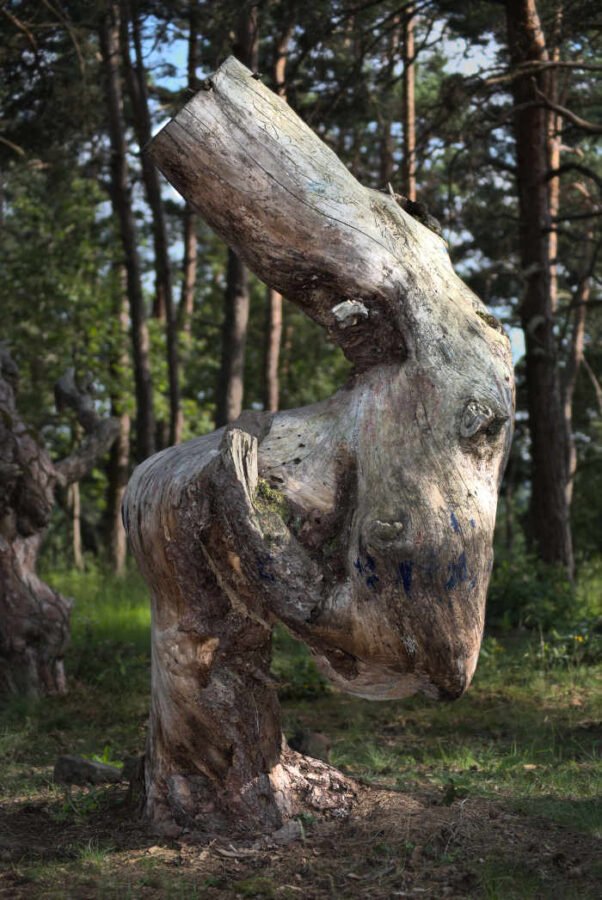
(164, 306)
(574, 362)
(408, 169)
(271, 399)
(549, 513)
(230, 389)
(118, 473)
(74, 500)
(231, 384)
(119, 457)
(122, 207)
(387, 163)
(189, 266)
(554, 144)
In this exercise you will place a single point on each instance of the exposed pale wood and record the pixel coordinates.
(363, 523)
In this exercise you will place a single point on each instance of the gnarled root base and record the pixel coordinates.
(297, 784)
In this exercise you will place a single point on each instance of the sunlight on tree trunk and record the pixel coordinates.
(363, 523)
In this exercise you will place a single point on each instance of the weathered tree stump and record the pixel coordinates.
(363, 523)
(34, 618)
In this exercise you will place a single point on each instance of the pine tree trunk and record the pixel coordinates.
(574, 363)
(234, 340)
(118, 473)
(408, 167)
(119, 456)
(190, 239)
(363, 523)
(74, 503)
(230, 389)
(549, 513)
(122, 208)
(271, 400)
(271, 394)
(164, 305)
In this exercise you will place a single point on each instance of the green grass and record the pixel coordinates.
(526, 737)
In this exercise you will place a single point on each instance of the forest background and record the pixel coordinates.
(485, 124)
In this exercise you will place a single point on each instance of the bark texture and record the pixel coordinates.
(408, 166)
(34, 619)
(230, 389)
(189, 265)
(164, 304)
(122, 207)
(363, 523)
(549, 511)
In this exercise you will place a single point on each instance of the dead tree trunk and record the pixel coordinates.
(363, 523)
(34, 619)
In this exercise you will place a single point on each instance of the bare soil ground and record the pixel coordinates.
(426, 844)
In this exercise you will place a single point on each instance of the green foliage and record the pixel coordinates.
(525, 592)
(106, 757)
(576, 646)
(110, 640)
(270, 499)
(294, 669)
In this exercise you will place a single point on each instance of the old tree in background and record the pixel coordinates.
(363, 523)
(35, 619)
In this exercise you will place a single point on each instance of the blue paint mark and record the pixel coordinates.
(371, 581)
(358, 565)
(405, 575)
(454, 523)
(370, 564)
(473, 524)
(458, 573)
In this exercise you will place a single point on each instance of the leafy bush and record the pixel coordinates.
(578, 646)
(527, 593)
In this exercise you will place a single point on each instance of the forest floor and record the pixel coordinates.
(494, 796)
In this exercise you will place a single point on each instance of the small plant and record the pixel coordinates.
(577, 646)
(106, 758)
(269, 499)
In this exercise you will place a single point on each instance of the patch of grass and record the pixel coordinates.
(258, 886)
(108, 666)
(505, 880)
(525, 739)
(519, 735)
(294, 669)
